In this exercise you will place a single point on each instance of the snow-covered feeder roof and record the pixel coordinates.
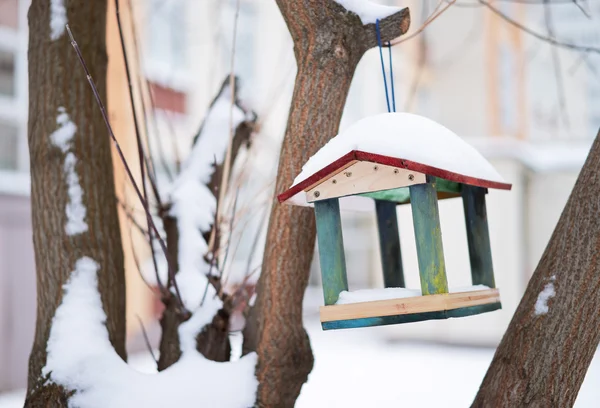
(387, 152)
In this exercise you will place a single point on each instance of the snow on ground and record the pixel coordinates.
(368, 11)
(368, 295)
(359, 368)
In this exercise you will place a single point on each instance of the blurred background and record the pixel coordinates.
(531, 108)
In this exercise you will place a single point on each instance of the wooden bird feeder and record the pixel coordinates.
(388, 160)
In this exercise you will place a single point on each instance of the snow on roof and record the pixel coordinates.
(368, 11)
(427, 145)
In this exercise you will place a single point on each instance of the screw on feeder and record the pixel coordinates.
(396, 171)
(348, 173)
(411, 177)
(375, 168)
(334, 181)
(317, 194)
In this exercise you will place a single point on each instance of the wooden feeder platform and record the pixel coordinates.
(408, 310)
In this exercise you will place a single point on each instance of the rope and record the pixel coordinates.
(387, 96)
(392, 77)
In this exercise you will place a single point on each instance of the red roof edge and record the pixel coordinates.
(390, 161)
(324, 172)
(430, 170)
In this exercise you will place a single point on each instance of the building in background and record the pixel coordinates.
(469, 70)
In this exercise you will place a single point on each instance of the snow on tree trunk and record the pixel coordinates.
(73, 201)
(329, 41)
(554, 333)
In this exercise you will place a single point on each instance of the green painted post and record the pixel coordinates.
(389, 244)
(428, 236)
(331, 249)
(478, 236)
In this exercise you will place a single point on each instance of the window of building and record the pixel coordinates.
(166, 43)
(13, 88)
(9, 13)
(7, 73)
(9, 146)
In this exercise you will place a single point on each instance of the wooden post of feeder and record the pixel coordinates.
(478, 235)
(428, 234)
(389, 244)
(331, 249)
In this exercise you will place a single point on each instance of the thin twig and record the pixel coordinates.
(228, 154)
(230, 234)
(136, 260)
(147, 340)
(537, 35)
(560, 87)
(131, 218)
(150, 157)
(584, 11)
(255, 241)
(138, 137)
(139, 59)
(430, 20)
(127, 169)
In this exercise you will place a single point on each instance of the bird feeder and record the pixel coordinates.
(379, 163)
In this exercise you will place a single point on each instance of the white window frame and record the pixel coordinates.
(13, 110)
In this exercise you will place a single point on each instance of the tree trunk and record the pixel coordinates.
(56, 81)
(550, 342)
(328, 43)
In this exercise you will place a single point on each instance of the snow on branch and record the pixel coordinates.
(193, 203)
(81, 358)
(368, 11)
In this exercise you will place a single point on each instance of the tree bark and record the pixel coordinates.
(328, 44)
(544, 355)
(57, 80)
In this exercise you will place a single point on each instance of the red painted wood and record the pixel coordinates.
(390, 161)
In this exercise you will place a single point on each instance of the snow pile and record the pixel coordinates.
(81, 358)
(58, 19)
(63, 138)
(541, 304)
(370, 295)
(404, 136)
(368, 11)
(193, 203)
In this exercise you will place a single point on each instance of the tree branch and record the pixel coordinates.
(553, 335)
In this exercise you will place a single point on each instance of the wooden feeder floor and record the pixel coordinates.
(409, 310)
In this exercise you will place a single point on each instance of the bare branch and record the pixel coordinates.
(147, 340)
(560, 87)
(553, 41)
(183, 310)
(436, 13)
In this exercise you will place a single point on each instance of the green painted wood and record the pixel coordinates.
(331, 249)
(410, 318)
(428, 236)
(401, 195)
(389, 244)
(478, 236)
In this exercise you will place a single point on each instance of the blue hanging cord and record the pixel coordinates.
(387, 97)
(389, 45)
